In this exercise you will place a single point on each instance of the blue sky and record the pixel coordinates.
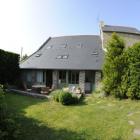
(28, 23)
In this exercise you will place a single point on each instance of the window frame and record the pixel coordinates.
(73, 77)
(62, 76)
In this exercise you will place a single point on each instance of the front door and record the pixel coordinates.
(49, 78)
(89, 81)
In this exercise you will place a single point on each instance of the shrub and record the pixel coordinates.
(75, 99)
(56, 94)
(56, 97)
(9, 67)
(8, 128)
(65, 98)
(2, 104)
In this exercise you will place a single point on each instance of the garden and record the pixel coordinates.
(110, 113)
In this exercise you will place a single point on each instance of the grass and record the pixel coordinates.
(95, 119)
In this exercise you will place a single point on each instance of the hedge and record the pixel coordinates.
(9, 67)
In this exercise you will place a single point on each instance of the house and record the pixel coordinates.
(73, 61)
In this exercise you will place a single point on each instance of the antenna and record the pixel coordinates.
(98, 18)
(21, 53)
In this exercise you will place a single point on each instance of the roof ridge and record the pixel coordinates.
(121, 26)
(73, 36)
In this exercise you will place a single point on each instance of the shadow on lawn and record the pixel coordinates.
(32, 129)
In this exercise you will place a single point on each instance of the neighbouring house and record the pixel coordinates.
(73, 61)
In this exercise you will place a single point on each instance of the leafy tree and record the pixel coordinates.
(113, 66)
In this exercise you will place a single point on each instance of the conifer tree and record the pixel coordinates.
(131, 80)
(113, 66)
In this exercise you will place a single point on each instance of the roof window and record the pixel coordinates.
(49, 47)
(65, 56)
(38, 55)
(79, 45)
(59, 57)
(62, 57)
(63, 46)
(95, 53)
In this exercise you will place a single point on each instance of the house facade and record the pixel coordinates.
(73, 61)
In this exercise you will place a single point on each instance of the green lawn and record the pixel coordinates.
(95, 119)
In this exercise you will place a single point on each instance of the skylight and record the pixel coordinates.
(49, 47)
(95, 53)
(65, 56)
(63, 46)
(59, 57)
(38, 55)
(62, 57)
(79, 45)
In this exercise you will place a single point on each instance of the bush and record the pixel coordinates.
(2, 104)
(9, 67)
(65, 98)
(8, 128)
(75, 99)
(56, 94)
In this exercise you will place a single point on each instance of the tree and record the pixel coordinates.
(113, 66)
(131, 80)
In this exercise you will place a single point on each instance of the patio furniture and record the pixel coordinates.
(38, 86)
(45, 90)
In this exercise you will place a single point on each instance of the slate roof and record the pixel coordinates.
(120, 29)
(83, 52)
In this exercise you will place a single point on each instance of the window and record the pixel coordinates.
(39, 77)
(62, 76)
(62, 57)
(59, 57)
(65, 57)
(29, 76)
(38, 55)
(49, 47)
(63, 46)
(73, 77)
(79, 45)
(95, 53)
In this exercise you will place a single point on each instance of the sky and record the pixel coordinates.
(28, 23)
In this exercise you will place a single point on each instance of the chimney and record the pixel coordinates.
(102, 24)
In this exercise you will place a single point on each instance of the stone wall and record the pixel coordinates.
(55, 75)
(82, 81)
(98, 78)
(129, 39)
